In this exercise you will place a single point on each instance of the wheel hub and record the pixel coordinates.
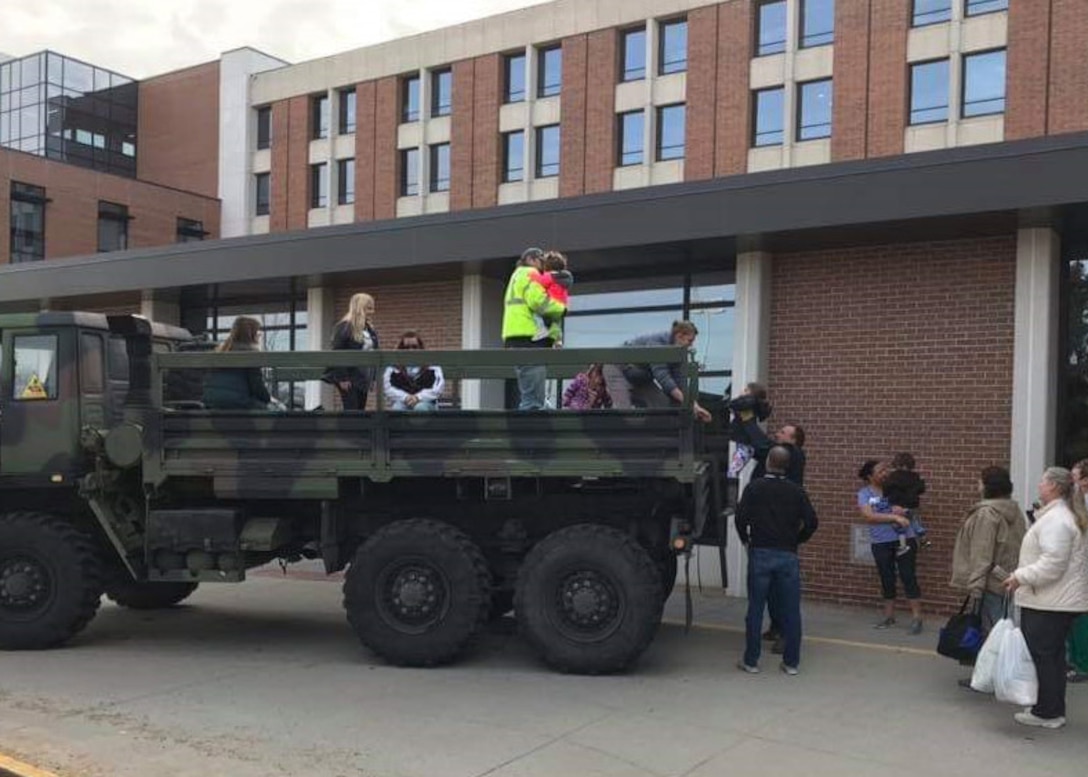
(588, 600)
(24, 584)
(413, 596)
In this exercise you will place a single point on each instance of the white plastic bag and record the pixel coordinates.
(1015, 679)
(982, 678)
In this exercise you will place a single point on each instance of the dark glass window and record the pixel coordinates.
(632, 128)
(673, 46)
(264, 127)
(440, 167)
(929, 92)
(27, 222)
(319, 185)
(634, 54)
(670, 132)
(345, 182)
(347, 112)
(319, 116)
(409, 99)
(979, 7)
(441, 92)
(814, 110)
(769, 122)
(190, 231)
(931, 12)
(515, 78)
(513, 156)
(112, 226)
(771, 28)
(262, 183)
(92, 363)
(35, 367)
(409, 172)
(549, 71)
(547, 151)
(1072, 425)
(984, 84)
(817, 23)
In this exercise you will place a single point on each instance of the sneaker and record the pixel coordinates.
(779, 646)
(745, 668)
(887, 623)
(792, 671)
(915, 626)
(1027, 718)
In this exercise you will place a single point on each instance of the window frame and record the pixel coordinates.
(52, 392)
(87, 361)
(259, 208)
(624, 69)
(344, 196)
(189, 228)
(944, 18)
(319, 116)
(35, 196)
(438, 107)
(663, 67)
(968, 14)
(544, 90)
(621, 136)
(538, 155)
(659, 148)
(799, 128)
(506, 137)
(407, 115)
(119, 216)
(807, 40)
(774, 47)
(509, 96)
(754, 139)
(911, 110)
(319, 180)
(264, 120)
(409, 186)
(347, 119)
(435, 183)
(963, 84)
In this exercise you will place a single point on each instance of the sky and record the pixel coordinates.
(141, 38)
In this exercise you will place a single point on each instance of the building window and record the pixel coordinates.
(929, 92)
(440, 167)
(319, 185)
(347, 112)
(984, 84)
(27, 222)
(814, 110)
(547, 151)
(35, 368)
(515, 78)
(263, 185)
(190, 231)
(549, 71)
(264, 127)
(979, 7)
(634, 54)
(769, 122)
(771, 28)
(319, 115)
(673, 47)
(409, 99)
(442, 92)
(670, 132)
(112, 226)
(817, 23)
(345, 182)
(409, 172)
(931, 12)
(513, 156)
(632, 127)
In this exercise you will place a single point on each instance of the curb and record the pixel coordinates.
(9, 767)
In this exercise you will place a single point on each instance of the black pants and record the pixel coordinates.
(888, 564)
(1046, 632)
(354, 397)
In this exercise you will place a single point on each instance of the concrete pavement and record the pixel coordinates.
(267, 679)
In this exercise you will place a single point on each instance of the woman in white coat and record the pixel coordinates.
(1051, 586)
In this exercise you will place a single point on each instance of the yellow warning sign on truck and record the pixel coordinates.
(34, 389)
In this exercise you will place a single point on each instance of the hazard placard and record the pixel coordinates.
(34, 389)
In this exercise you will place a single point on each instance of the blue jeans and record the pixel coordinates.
(423, 406)
(778, 571)
(531, 380)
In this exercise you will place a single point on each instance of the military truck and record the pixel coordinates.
(115, 480)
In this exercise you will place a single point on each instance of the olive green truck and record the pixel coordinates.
(115, 480)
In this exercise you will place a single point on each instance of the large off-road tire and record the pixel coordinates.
(589, 599)
(417, 592)
(137, 595)
(667, 567)
(50, 581)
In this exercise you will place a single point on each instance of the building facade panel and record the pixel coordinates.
(365, 153)
(280, 153)
(1028, 69)
(572, 132)
(887, 77)
(702, 83)
(1068, 104)
(386, 159)
(299, 132)
(462, 134)
(929, 371)
(849, 122)
(487, 152)
(733, 105)
(601, 78)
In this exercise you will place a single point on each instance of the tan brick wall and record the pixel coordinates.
(365, 126)
(887, 76)
(179, 130)
(461, 134)
(734, 103)
(869, 369)
(487, 147)
(71, 218)
(851, 109)
(1068, 105)
(702, 86)
(601, 77)
(386, 158)
(572, 132)
(1028, 69)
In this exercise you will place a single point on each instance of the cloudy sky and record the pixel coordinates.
(143, 37)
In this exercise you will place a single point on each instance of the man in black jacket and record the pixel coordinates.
(792, 438)
(774, 517)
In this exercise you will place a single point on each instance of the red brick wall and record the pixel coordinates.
(849, 135)
(734, 104)
(71, 219)
(386, 158)
(572, 131)
(279, 151)
(1028, 69)
(702, 88)
(887, 76)
(299, 133)
(397, 310)
(601, 77)
(365, 125)
(1068, 105)
(870, 369)
(462, 134)
(487, 149)
(178, 129)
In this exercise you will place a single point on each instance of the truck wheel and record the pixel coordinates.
(148, 596)
(50, 581)
(417, 592)
(589, 599)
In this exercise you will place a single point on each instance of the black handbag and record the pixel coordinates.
(962, 636)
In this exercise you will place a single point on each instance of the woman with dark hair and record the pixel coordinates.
(238, 388)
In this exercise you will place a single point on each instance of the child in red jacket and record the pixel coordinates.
(557, 281)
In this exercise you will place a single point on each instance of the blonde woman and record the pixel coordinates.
(240, 388)
(1051, 586)
(354, 333)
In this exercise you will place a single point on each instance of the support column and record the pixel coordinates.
(160, 306)
(320, 319)
(481, 327)
(1035, 359)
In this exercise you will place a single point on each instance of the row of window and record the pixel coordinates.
(982, 92)
(817, 25)
(814, 105)
(27, 224)
(926, 12)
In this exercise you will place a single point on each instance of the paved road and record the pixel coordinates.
(266, 679)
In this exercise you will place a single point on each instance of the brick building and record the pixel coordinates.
(876, 206)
